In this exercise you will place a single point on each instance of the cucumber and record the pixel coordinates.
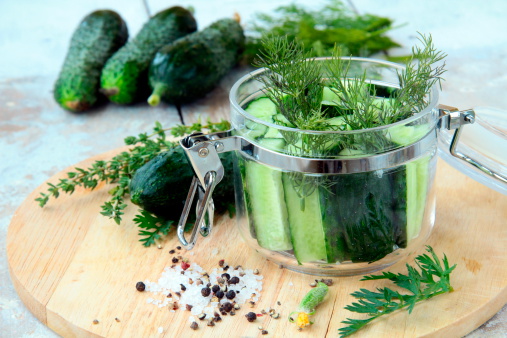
(305, 221)
(265, 200)
(416, 179)
(191, 66)
(159, 186)
(96, 38)
(276, 144)
(262, 108)
(124, 78)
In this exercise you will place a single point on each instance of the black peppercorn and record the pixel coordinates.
(264, 332)
(183, 287)
(178, 247)
(175, 260)
(220, 294)
(140, 286)
(251, 316)
(234, 280)
(227, 307)
(226, 267)
(172, 251)
(226, 276)
(230, 294)
(215, 288)
(205, 292)
(194, 326)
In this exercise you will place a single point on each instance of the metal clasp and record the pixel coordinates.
(453, 119)
(202, 153)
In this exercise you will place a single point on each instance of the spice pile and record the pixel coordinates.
(207, 295)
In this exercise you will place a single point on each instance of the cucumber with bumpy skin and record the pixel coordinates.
(97, 37)
(125, 76)
(191, 66)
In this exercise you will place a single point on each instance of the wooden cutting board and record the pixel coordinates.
(70, 265)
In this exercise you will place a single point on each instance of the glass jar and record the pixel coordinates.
(331, 203)
(362, 212)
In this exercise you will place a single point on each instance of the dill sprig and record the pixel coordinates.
(356, 95)
(432, 279)
(120, 170)
(321, 28)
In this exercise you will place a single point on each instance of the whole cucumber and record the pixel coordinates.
(96, 38)
(124, 77)
(190, 67)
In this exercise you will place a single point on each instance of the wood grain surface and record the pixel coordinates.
(70, 266)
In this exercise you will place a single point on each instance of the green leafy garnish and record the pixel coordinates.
(432, 279)
(320, 29)
(120, 169)
(295, 84)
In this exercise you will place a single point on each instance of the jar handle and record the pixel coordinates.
(453, 119)
(202, 153)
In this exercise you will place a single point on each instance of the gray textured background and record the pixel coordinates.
(38, 139)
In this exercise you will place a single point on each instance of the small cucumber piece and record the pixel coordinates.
(268, 212)
(282, 120)
(276, 144)
(305, 223)
(273, 133)
(262, 108)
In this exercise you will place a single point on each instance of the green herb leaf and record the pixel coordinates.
(432, 279)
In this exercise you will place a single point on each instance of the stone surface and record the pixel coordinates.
(38, 139)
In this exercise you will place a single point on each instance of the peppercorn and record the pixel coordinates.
(95, 321)
(215, 288)
(194, 326)
(264, 332)
(183, 287)
(227, 306)
(172, 251)
(175, 260)
(234, 280)
(205, 292)
(230, 294)
(220, 294)
(202, 316)
(221, 263)
(178, 247)
(226, 276)
(226, 267)
(189, 307)
(232, 313)
(140, 286)
(251, 316)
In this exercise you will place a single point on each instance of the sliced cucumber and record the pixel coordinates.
(276, 144)
(305, 223)
(262, 108)
(265, 195)
(282, 120)
(417, 191)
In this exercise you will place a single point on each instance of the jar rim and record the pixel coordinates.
(433, 100)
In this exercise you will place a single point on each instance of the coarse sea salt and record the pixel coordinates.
(171, 280)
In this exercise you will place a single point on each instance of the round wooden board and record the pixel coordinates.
(71, 265)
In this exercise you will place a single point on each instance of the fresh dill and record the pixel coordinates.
(321, 28)
(295, 83)
(431, 279)
(120, 169)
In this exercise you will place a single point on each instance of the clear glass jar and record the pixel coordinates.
(357, 203)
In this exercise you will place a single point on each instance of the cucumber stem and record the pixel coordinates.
(154, 98)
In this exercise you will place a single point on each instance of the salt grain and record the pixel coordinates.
(161, 330)
(171, 280)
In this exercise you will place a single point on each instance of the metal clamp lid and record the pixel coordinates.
(453, 119)
(202, 153)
